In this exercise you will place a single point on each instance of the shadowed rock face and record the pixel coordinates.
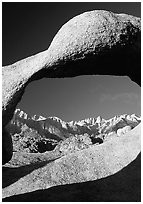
(96, 42)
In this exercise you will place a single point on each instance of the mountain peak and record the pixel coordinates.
(99, 119)
(55, 128)
(38, 118)
(21, 114)
(55, 118)
(86, 121)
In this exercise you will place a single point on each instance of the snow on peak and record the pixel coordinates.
(21, 114)
(38, 118)
(55, 118)
(89, 122)
(98, 119)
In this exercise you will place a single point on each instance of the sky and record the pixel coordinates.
(28, 28)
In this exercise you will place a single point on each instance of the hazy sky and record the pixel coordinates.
(28, 28)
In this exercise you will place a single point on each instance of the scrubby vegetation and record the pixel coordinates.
(30, 141)
(74, 143)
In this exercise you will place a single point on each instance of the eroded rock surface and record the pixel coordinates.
(122, 131)
(89, 164)
(92, 40)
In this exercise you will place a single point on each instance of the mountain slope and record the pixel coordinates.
(63, 129)
(40, 134)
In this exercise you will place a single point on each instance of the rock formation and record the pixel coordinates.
(123, 130)
(73, 144)
(89, 164)
(97, 162)
(40, 134)
(124, 186)
(60, 129)
(96, 42)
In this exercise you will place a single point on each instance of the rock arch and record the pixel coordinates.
(95, 42)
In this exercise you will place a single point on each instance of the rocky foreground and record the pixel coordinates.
(106, 160)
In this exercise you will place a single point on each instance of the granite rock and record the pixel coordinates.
(91, 39)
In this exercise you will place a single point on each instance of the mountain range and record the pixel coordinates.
(55, 128)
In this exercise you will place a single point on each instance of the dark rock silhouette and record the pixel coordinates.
(124, 186)
(96, 140)
(7, 146)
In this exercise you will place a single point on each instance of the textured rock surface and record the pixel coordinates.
(73, 144)
(123, 130)
(93, 33)
(86, 40)
(124, 186)
(97, 162)
(89, 164)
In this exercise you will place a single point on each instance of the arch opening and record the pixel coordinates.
(43, 117)
(84, 50)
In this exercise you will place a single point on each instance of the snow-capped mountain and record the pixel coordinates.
(56, 128)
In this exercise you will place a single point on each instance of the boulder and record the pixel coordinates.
(122, 131)
(95, 42)
(74, 143)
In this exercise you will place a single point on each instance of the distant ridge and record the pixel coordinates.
(62, 129)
